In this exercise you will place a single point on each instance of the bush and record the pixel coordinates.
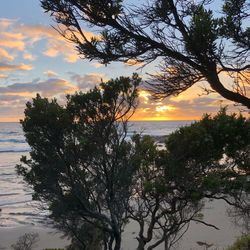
(26, 242)
(242, 243)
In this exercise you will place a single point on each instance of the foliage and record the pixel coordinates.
(243, 243)
(94, 180)
(80, 161)
(191, 40)
(26, 242)
(213, 158)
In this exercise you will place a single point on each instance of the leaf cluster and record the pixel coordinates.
(190, 41)
(94, 180)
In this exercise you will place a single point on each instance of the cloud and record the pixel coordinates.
(12, 107)
(3, 76)
(5, 23)
(133, 62)
(164, 108)
(14, 96)
(56, 45)
(12, 40)
(97, 65)
(49, 88)
(87, 81)
(5, 56)
(15, 67)
(189, 107)
(28, 56)
(50, 73)
(20, 37)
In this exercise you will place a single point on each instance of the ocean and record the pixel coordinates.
(19, 211)
(17, 207)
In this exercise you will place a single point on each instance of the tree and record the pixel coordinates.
(208, 160)
(163, 213)
(192, 42)
(242, 243)
(92, 179)
(27, 241)
(79, 162)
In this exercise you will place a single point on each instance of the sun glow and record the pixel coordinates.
(144, 95)
(164, 108)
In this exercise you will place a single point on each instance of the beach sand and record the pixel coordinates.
(214, 213)
(48, 238)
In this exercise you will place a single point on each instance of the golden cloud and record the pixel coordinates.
(56, 44)
(144, 96)
(14, 67)
(164, 108)
(5, 56)
(19, 37)
(5, 23)
(28, 56)
(133, 62)
(3, 76)
(19, 45)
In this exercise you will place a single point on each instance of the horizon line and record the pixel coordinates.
(128, 120)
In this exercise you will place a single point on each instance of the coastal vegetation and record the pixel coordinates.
(94, 180)
(243, 243)
(28, 241)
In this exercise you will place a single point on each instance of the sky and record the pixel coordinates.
(34, 58)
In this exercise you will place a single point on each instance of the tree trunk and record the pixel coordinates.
(166, 247)
(141, 245)
(117, 242)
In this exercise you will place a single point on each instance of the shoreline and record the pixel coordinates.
(214, 213)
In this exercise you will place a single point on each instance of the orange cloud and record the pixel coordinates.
(28, 56)
(133, 62)
(56, 44)
(19, 45)
(3, 76)
(14, 67)
(20, 37)
(5, 23)
(5, 56)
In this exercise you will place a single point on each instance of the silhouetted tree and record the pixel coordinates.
(80, 163)
(27, 241)
(211, 160)
(192, 40)
(94, 181)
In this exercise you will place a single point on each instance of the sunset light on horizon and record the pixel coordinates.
(34, 58)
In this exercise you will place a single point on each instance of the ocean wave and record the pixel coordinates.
(13, 140)
(9, 132)
(17, 150)
(9, 194)
(11, 203)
